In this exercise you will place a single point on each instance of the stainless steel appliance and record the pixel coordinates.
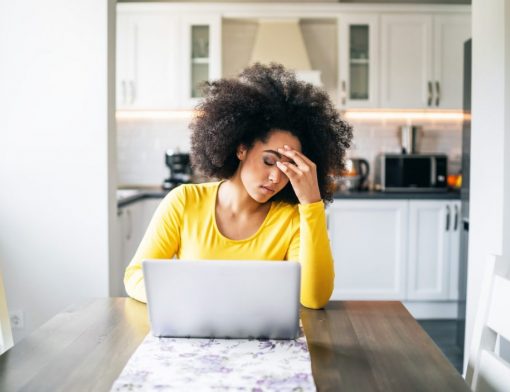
(411, 172)
(354, 177)
(180, 169)
(410, 136)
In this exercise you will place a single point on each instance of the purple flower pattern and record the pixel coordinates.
(182, 364)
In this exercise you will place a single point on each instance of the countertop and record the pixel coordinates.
(131, 195)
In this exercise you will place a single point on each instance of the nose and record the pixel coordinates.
(274, 176)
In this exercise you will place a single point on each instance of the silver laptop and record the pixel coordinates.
(223, 299)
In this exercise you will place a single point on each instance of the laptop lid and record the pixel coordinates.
(223, 299)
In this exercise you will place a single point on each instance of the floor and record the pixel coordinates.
(444, 334)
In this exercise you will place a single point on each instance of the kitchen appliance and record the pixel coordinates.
(411, 172)
(180, 169)
(354, 177)
(409, 138)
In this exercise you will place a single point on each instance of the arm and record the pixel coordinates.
(310, 245)
(161, 241)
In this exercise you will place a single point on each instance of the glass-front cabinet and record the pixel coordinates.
(202, 55)
(358, 61)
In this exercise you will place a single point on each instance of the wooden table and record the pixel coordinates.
(354, 346)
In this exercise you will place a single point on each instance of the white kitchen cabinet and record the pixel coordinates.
(132, 222)
(201, 55)
(433, 257)
(125, 72)
(428, 255)
(369, 248)
(147, 49)
(450, 33)
(358, 59)
(163, 56)
(421, 60)
(406, 61)
(406, 250)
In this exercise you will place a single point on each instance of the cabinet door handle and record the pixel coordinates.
(456, 220)
(438, 93)
(130, 225)
(448, 210)
(429, 99)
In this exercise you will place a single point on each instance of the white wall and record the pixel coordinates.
(57, 151)
(490, 145)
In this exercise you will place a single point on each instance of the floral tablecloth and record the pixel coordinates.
(161, 364)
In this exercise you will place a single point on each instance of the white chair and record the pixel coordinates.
(5, 322)
(487, 371)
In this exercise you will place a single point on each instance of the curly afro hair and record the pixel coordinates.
(263, 98)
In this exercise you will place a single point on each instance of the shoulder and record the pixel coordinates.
(192, 192)
(199, 191)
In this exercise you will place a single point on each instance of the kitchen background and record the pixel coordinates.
(142, 140)
(141, 144)
(60, 174)
(384, 66)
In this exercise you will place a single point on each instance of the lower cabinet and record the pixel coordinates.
(405, 250)
(132, 222)
(368, 244)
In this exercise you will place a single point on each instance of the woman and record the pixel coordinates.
(271, 141)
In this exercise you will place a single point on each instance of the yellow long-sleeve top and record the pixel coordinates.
(184, 225)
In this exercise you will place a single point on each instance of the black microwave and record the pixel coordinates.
(411, 172)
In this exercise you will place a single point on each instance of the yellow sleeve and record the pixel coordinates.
(310, 245)
(161, 241)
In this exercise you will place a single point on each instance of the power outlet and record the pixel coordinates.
(17, 319)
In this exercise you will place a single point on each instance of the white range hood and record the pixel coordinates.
(281, 41)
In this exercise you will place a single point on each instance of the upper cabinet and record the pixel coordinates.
(162, 58)
(450, 33)
(358, 50)
(370, 56)
(201, 37)
(421, 60)
(146, 73)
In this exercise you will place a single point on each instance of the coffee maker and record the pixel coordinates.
(180, 169)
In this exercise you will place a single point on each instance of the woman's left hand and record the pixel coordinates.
(302, 175)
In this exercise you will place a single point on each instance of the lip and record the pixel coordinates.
(267, 189)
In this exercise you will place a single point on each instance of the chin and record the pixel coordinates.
(260, 198)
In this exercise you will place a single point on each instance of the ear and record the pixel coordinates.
(241, 152)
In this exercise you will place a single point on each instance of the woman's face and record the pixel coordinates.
(258, 171)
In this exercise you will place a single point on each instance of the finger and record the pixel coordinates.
(292, 154)
(301, 155)
(289, 169)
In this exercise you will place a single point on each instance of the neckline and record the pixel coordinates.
(215, 224)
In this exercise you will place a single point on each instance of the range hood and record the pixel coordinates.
(281, 41)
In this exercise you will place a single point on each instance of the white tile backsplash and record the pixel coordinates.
(141, 144)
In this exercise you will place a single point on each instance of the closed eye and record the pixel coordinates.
(269, 162)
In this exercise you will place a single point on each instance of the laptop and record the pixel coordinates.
(223, 299)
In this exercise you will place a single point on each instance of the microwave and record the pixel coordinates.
(411, 172)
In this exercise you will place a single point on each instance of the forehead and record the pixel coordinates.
(277, 139)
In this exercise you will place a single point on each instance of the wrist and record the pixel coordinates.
(310, 200)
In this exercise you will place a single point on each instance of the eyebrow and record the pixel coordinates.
(274, 152)
(279, 155)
